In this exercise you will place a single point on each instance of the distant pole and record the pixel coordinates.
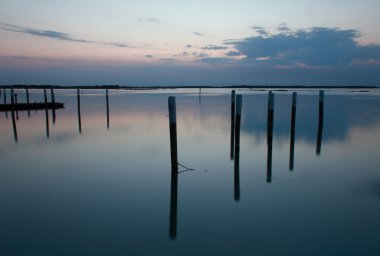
(27, 99)
(292, 130)
(173, 133)
(237, 148)
(173, 206)
(46, 114)
(13, 116)
(232, 143)
(5, 102)
(270, 135)
(108, 110)
(52, 96)
(79, 114)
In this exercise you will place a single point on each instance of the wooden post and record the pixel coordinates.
(292, 130)
(46, 114)
(270, 135)
(237, 147)
(173, 134)
(108, 111)
(27, 99)
(13, 116)
(52, 96)
(232, 143)
(173, 206)
(320, 122)
(321, 105)
(79, 114)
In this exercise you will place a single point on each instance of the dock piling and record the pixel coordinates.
(292, 130)
(79, 113)
(173, 134)
(270, 135)
(237, 148)
(233, 105)
(46, 114)
(108, 111)
(27, 99)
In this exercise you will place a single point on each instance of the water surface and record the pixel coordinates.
(103, 188)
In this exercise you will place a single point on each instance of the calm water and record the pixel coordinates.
(109, 191)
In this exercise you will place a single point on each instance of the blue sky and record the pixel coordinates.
(327, 42)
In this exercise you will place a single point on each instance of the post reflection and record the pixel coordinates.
(5, 103)
(270, 135)
(292, 130)
(79, 114)
(173, 205)
(13, 117)
(16, 102)
(237, 148)
(52, 96)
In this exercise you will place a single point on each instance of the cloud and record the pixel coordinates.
(150, 20)
(214, 47)
(233, 53)
(260, 30)
(315, 56)
(283, 27)
(149, 56)
(198, 34)
(317, 47)
(55, 35)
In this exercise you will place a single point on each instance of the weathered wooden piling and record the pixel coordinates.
(320, 122)
(46, 114)
(292, 130)
(27, 99)
(321, 105)
(13, 116)
(232, 143)
(237, 148)
(173, 205)
(79, 114)
(173, 134)
(270, 135)
(52, 96)
(108, 110)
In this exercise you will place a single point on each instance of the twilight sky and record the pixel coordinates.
(182, 42)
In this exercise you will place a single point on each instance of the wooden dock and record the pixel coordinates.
(31, 106)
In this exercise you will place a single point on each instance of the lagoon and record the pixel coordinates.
(86, 184)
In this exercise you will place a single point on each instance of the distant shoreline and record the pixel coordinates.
(119, 87)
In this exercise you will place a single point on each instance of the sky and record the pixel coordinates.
(182, 43)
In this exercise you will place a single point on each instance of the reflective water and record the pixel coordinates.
(67, 189)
